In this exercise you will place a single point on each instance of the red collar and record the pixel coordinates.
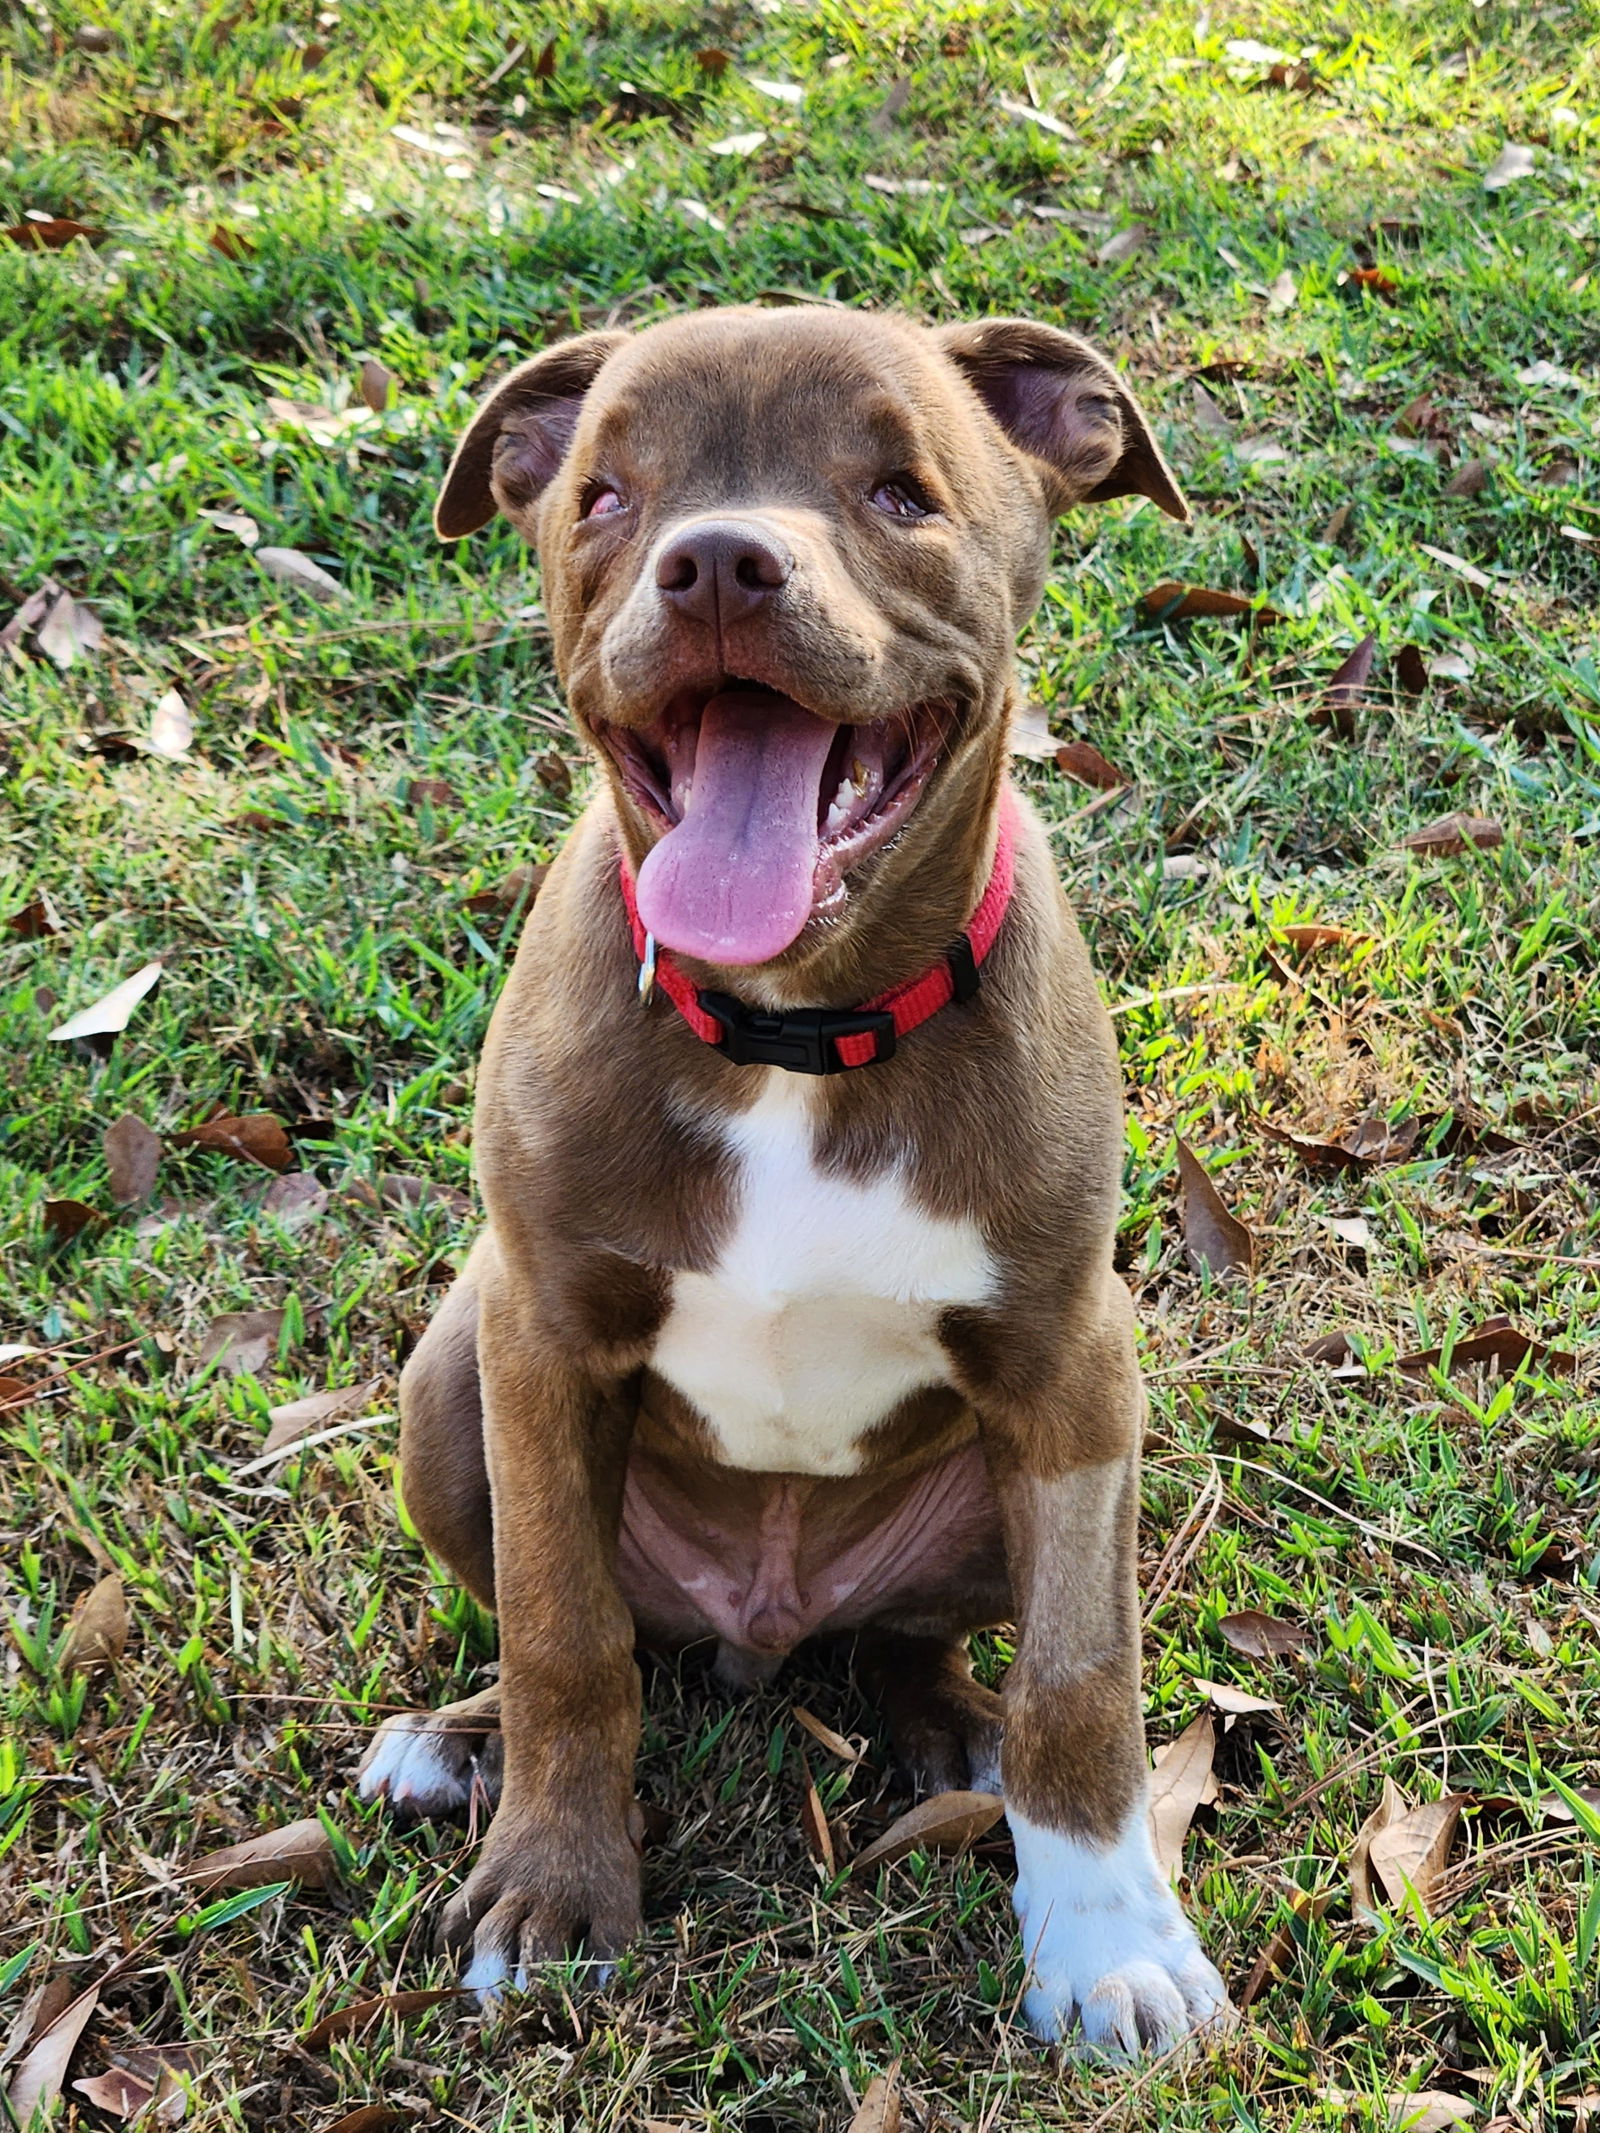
(822, 1040)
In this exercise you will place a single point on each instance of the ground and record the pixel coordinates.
(1293, 253)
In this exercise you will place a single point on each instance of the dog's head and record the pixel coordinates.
(785, 556)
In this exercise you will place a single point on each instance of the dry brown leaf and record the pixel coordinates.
(883, 119)
(1305, 1908)
(396, 1190)
(1430, 2111)
(301, 1851)
(1260, 1636)
(301, 1418)
(1375, 279)
(1234, 1703)
(1469, 478)
(1412, 669)
(431, 792)
(99, 1633)
(295, 1198)
(36, 921)
(949, 1822)
(133, 1158)
(1336, 525)
(361, 2014)
(1307, 938)
(66, 1219)
(1083, 761)
(379, 387)
(1453, 833)
(231, 244)
(29, 615)
(108, 1015)
(287, 566)
(835, 1743)
(69, 631)
(1346, 688)
(1367, 1141)
(1410, 1852)
(51, 234)
(1212, 1236)
(1496, 1344)
(713, 61)
(1284, 292)
(1173, 601)
(1512, 163)
(1030, 733)
(1391, 1807)
(1181, 1781)
(117, 2092)
(524, 881)
(1122, 244)
(554, 772)
(42, 2070)
(879, 2110)
(241, 1341)
(171, 727)
(371, 2118)
(256, 1136)
(814, 1827)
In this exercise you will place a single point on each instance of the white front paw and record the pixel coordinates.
(1110, 1955)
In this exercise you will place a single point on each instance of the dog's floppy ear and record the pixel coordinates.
(517, 440)
(1059, 401)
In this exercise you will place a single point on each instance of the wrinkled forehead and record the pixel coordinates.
(776, 398)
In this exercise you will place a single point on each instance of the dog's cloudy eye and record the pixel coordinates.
(900, 499)
(603, 503)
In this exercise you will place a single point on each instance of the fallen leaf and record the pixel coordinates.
(239, 523)
(1083, 761)
(814, 1828)
(1468, 479)
(1346, 688)
(879, 2110)
(1496, 1344)
(232, 244)
(949, 1822)
(394, 1189)
(1306, 939)
(90, 37)
(544, 66)
(1122, 244)
(1453, 833)
(1260, 451)
(1380, 1140)
(1336, 525)
(1513, 162)
(241, 1341)
(1260, 1636)
(295, 1198)
(1208, 415)
(713, 61)
(256, 1137)
(1453, 666)
(1375, 279)
(289, 567)
(1031, 735)
(1212, 1236)
(14, 1393)
(1429, 2111)
(1459, 564)
(1283, 292)
(554, 772)
(371, 2118)
(361, 2014)
(524, 881)
(883, 119)
(1409, 1853)
(301, 1851)
(52, 234)
(133, 1157)
(36, 921)
(69, 632)
(1290, 75)
(99, 1632)
(783, 92)
(109, 1014)
(1391, 1807)
(431, 792)
(301, 1418)
(1412, 669)
(1181, 1781)
(737, 144)
(1547, 373)
(42, 2071)
(835, 1743)
(1254, 53)
(1349, 1229)
(171, 727)
(1063, 132)
(117, 2091)
(1234, 1703)
(1175, 602)
(1305, 1908)
(380, 388)
(66, 1219)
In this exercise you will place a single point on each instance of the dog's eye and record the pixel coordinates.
(603, 502)
(900, 498)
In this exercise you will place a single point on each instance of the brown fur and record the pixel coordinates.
(602, 1165)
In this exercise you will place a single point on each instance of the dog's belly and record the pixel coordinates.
(822, 1312)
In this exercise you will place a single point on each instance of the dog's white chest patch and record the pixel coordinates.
(822, 1313)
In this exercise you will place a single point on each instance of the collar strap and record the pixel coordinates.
(824, 1040)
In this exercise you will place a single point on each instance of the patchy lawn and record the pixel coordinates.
(1378, 376)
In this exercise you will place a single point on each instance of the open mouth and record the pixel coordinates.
(765, 807)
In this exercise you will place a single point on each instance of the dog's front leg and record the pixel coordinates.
(560, 1865)
(1111, 1956)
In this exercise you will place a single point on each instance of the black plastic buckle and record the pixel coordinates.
(802, 1040)
(963, 968)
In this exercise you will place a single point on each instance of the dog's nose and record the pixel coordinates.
(722, 569)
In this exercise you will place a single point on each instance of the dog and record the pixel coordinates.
(799, 1135)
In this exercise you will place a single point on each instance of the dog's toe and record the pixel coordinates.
(426, 1763)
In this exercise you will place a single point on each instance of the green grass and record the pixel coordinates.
(1438, 1538)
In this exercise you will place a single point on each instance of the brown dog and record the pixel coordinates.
(744, 1353)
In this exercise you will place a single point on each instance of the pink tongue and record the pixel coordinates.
(734, 881)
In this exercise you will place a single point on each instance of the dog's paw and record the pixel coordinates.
(523, 1905)
(426, 1763)
(1114, 1966)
